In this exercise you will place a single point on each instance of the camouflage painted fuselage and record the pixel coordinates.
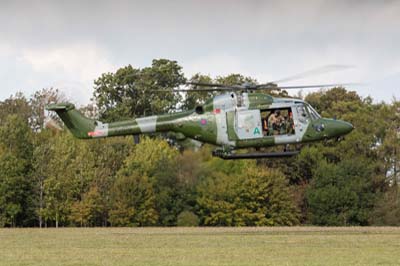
(230, 120)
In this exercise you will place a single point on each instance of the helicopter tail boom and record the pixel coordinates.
(78, 124)
(86, 128)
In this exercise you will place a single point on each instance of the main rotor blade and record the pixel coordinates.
(216, 85)
(197, 90)
(314, 72)
(314, 86)
(205, 84)
(260, 87)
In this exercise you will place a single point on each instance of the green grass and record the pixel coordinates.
(201, 246)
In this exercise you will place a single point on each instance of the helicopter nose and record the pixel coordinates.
(343, 127)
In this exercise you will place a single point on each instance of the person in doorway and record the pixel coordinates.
(276, 120)
(265, 125)
(290, 124)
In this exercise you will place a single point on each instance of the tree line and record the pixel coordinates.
(50, 179)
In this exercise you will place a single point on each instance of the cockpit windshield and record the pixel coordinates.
(313, 114)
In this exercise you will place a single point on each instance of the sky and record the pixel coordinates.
(68, 44)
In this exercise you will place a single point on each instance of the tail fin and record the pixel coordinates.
(79, 125)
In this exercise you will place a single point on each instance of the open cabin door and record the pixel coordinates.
(255, 124)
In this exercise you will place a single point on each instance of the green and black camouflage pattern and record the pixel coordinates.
(230, 120)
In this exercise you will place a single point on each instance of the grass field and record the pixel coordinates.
(201, 246)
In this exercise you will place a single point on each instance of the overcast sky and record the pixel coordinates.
(68, 44)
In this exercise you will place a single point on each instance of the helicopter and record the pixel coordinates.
(238, 118)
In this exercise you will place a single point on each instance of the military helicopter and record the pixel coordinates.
(238, 118)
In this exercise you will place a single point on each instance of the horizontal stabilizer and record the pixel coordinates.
(60, 107)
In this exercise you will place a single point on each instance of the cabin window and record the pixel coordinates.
(277, 121)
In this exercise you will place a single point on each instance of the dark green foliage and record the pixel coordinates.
(132, 92)
(15, 105)
(15, 194)
(16, 206)
(155, 159)
(187, 218)
(325, 101)
(254, 197)
(15, 137)
(133, 201)
(304, 165)
(341, 194)
(387, 208)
